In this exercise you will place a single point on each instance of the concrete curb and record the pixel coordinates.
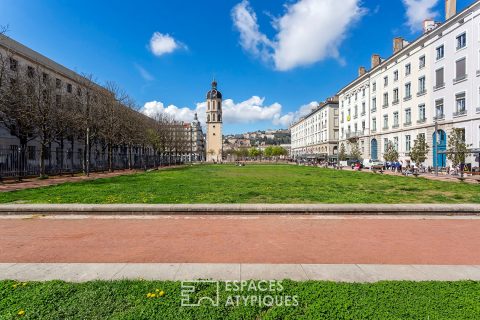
(243, 209)
(80, 272)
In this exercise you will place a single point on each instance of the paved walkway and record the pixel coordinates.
(241, 239)
(78, 272)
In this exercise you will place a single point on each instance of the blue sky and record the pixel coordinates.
(272, 59)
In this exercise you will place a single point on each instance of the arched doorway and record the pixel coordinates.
(374, 149)
(440, 159)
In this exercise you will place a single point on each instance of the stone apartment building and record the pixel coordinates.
(316, 135)
(432, 81)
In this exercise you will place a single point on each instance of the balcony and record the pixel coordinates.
(421, 93)
(460, 79)
(419, 121)
(439, 117)
(395, 102)
(385, 128)
(408, 123)
(354, 134)
(460, 113)
(407, 98)
(396, 126)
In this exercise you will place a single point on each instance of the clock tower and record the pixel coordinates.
(214, 145)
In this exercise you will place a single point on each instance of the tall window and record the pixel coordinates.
(395, 143)
(395, 119)
(460, 103)
(461, 41)
(421, 113)
(408, 69)
(385, 121)
(408, 116)
(13, 64)
(395, 75)
(439, 78)
(439, 109)
(385, 144)
(395, 95)
(440, 52)
(385, 99)
(374, 104)
(374, 87)
(363, 108)
(408, 143)
(374, 124)
(421, 85)
(421, 62)
(408, 90)
(385, 81)
(461, 69)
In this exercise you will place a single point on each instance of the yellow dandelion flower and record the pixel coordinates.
(21, 312)
(157, 290)
(14, 286)
(24, 284)
(153, 295)
(161, 293)
(148, 295)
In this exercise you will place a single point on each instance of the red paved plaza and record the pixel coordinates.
(226, 239)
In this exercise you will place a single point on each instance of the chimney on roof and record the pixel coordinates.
(450, 8)
(398, 44)
(361, 71)
(376, 60)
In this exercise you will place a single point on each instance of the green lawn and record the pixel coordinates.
(252, 184)
(316, 300)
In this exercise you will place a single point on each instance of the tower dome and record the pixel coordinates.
(214, 93)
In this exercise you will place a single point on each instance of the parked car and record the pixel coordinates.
(372, 164)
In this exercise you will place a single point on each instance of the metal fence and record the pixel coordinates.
(17, 163)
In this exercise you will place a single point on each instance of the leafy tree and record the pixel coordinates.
(420, 149)
(355, 151)
(342, 154)
(457, 148)
(268, 152)
(254, 152)
(391, 155)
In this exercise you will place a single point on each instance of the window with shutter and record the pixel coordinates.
(461, 69)
(439, 82)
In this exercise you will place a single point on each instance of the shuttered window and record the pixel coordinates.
(439, 80)
(461, 69)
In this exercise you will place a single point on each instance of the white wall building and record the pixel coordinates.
(315, 136)
(436, 78)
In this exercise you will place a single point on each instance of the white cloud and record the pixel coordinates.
(308, 32)
(251, 39)
(144, 73)
(418, 11)
(249, 111)
(287, 119)
(161, 44)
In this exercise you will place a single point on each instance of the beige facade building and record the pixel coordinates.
(214, 146)
(315, 136)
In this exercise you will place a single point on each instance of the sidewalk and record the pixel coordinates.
(431, 176)
(80, 272)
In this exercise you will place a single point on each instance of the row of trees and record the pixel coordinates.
(37, 106)
(270, 152)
